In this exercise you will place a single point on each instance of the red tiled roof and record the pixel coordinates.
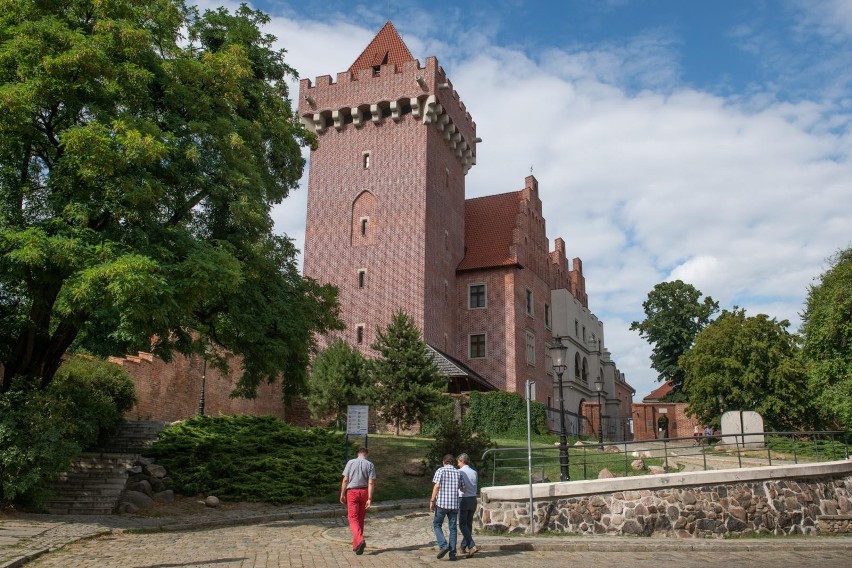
(386, 47)
(489, 223)
(659, 392)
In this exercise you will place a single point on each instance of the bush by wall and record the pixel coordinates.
(42, 431)
(250, 458)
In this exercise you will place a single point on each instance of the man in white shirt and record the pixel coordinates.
(467, 506)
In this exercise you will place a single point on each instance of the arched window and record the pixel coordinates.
(364, 219)
(585, 370)
(577, 367)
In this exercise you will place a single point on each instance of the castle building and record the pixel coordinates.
(389, 225)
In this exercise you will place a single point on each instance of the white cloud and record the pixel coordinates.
(743, 196)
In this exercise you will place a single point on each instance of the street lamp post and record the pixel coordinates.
(559, 352)
(599, 388)
(203, 386)
(203, 378)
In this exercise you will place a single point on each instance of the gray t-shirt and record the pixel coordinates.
(359, 471)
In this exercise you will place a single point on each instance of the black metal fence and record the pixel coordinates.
(509, 466)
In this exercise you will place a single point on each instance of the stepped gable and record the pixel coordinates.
(489, 231)
(386, 48)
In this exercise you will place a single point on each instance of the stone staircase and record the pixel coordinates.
(96, 480)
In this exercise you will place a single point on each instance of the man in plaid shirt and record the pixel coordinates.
(445, 503)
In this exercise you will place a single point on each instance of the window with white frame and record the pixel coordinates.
(476, 296)
(547, 316)
(476, 348)
(530, 347)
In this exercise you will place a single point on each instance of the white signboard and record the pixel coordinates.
(357, 420)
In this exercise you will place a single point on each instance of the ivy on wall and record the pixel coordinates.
(505, 413)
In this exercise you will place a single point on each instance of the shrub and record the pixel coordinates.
(42, 431)
(456, 438)
(97, 393)
(250, 458)
(34, 445)
(505, 413)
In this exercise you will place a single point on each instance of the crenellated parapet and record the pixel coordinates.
(387, 93)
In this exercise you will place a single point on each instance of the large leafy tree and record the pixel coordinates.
(754, 364)
(408, 383)
(338, 378)
(674, 315)
(827, 340)
(142, 146)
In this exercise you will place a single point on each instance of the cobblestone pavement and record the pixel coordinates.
(394, 538)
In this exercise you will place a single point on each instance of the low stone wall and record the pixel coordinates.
(834, 524)
(765, 500)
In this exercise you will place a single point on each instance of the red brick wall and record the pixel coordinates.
(171, 391)
(646, 417)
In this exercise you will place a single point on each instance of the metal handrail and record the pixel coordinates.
(762, 446)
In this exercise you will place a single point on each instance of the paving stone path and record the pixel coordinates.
(398, 535)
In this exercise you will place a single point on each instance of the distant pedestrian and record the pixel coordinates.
(445, 503)
(708, 433)
(356, 492)
(696, 434)
(467, 506)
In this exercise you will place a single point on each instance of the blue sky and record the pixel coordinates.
(706, 141)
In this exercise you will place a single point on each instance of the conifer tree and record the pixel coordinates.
(408, 383)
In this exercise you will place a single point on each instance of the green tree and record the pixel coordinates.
(338, 378)
(754, 364)
(142, 146)
(827, 340)
(407, 382)
(674, 315)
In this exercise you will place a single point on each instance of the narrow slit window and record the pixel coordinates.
(365, 160)
(359, 334)
(362, 278)
(364, 224)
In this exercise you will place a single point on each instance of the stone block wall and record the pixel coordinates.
(785, 504)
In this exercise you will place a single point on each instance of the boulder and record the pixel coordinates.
(166, 496)
(612, 449)
(637, 465)
(140, 486)
(577, 443)
(540, 477)
(656, 469)
(155, 470)
(135, 470)
(212, 501)
(127, 508)
(139, 499)
(605, 474)
(414, 468)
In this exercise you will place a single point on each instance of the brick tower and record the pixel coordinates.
(386, 206)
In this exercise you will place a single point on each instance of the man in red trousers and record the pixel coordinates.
(356, 492)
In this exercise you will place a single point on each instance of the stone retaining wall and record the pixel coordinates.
(778, 500)
(834, 524)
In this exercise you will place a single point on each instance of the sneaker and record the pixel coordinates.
(472, 551)
(359, 550)
(443, 552)
(453, 558)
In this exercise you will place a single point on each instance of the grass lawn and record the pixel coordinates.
(390, 453)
